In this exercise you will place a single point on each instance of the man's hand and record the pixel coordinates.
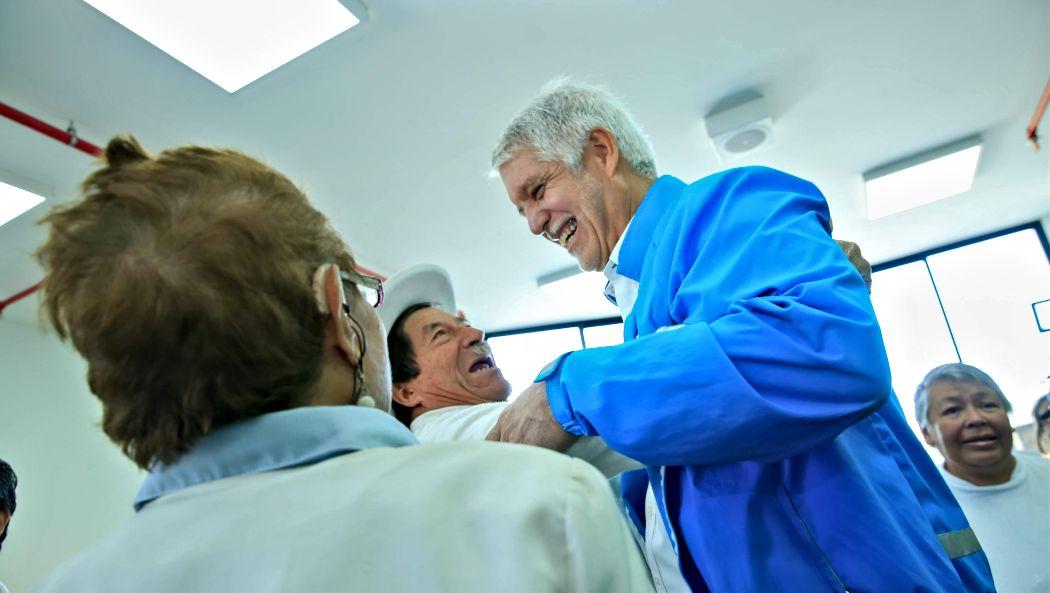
(529, 421)
(857, 259)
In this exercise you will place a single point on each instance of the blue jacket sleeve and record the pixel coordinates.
(776, 348)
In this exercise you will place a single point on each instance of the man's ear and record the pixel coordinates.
(863, 266)
(602, 144)
(406, 396)
(5, 516)
(929, 438)
(328, 290)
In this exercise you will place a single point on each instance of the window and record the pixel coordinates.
(521, 356)
(603, 335)
(971, 303)
(975, 302)
(914, 329)
(988, 289)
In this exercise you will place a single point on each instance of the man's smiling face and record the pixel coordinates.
(968, 424)
(455, 364)
(568, 209)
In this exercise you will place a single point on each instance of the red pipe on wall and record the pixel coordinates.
(49, 130)
(62, 136)
(83, 145)
(17, 297)
(32, 289)
(1033, 128)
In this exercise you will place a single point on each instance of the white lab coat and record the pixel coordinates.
(456, 517)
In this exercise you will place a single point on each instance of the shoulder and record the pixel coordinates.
(746, 196)
(517, 474)
(489, 463)
(476, 483)
(457, 423)
(742, 180)
(1035, 464)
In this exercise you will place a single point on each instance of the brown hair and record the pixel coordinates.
(185, 281)
(403, 365)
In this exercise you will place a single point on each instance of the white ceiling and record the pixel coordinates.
(389, 126)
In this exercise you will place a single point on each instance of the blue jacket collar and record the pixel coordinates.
(661, 195)
(290, 438)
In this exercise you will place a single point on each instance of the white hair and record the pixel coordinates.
(955, 371)
(557, 123)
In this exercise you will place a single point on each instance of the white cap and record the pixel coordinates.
(421, 284)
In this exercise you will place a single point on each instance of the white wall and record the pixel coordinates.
(74, 484)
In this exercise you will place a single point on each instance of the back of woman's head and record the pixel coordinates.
(185, 281)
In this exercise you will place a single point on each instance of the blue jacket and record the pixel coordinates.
(778, 453)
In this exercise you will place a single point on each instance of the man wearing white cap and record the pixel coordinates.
(447, 386)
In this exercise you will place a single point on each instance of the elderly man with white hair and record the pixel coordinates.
(963, 413)
(753, 381)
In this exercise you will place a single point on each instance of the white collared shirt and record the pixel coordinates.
(621, 290)
(659, 551)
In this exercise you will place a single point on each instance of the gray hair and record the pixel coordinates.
(955, 371)
(557, 122)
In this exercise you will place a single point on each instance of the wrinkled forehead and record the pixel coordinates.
(960, 390)
(522, 170)
(420, 324)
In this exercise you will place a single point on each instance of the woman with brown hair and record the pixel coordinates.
(219, 315)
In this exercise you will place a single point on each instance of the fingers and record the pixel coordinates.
(500, 430)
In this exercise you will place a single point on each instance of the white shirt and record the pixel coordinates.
(473, 423)
(659, 550)
(452, 517)
(621, 289)
(1012, 522)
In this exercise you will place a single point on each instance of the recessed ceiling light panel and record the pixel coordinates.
(924, 178)
(231, 42)
(14, 201)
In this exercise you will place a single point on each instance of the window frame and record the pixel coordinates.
(886, 265)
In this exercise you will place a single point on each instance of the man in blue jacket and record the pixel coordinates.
(753, 381)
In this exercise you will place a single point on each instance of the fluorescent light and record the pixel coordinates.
(14, 201)
(558, 276)
(924, 178)
(588, 283)
(574, 290)
(231, 42)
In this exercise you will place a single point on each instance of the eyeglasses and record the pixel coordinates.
(370, 287)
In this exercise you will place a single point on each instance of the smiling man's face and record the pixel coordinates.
(571, 210)
(968, 423)
(455, 364)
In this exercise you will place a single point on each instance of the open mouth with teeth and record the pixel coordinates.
(981, 440)
(482, 364)
(564, 234)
